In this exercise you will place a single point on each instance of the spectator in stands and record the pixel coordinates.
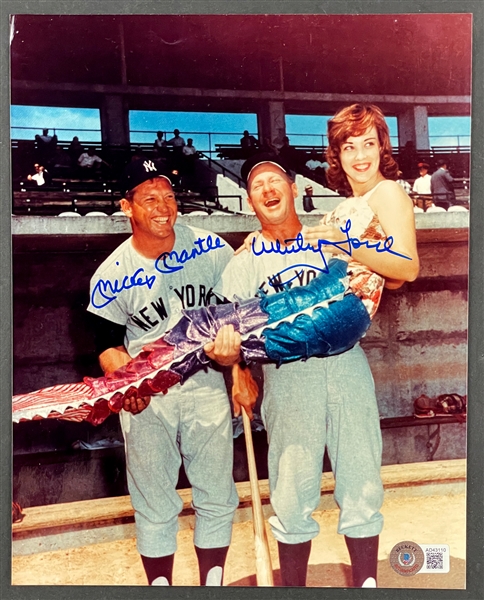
(189, 149)
(160, 148)
(61, 163)
(190, 156)
(442, 185)
(403, 184)
(308, 199)
(75, 150)
(40, 177)
(159, 141)
(421, 187)
(314, 163)
(317, 168)
(90, 163)
(178, 143)
(46, 145)
(159, 144)
(45, 137)
(289, 154)
(249, 144)
(267, 147)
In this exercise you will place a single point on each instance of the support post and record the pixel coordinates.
(271, 119)
(413, 127)
(115, 120)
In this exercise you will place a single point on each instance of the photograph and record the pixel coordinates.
(240, 299)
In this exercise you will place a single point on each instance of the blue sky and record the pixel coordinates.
(26, 121)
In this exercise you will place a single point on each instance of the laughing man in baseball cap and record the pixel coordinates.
(308, 406)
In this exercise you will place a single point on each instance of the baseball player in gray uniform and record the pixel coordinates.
(137, 294)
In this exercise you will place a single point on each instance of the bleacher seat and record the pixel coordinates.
(457, 208)
(434, 209)
(68, 214)
(95, 213)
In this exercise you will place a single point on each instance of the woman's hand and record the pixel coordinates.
(316, 235)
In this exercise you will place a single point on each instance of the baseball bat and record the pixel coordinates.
(263, 563)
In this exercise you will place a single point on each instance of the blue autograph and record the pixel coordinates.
(163, 261)
(352, 243)
(106, 291)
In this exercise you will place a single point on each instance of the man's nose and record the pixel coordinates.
(161, 204)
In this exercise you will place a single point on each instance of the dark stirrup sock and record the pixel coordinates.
(161, 566)
(293, 560)
(364, 558)
(208, 559)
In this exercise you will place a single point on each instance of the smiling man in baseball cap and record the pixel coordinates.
(136, 300)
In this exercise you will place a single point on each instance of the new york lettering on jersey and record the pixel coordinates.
(300, 274)
(189, 296)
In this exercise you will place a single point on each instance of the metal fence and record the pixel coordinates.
(206, 141)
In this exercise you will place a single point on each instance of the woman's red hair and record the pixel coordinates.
(354, 121)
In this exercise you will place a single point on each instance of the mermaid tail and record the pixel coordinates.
(319, 319)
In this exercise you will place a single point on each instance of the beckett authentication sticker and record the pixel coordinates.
(407, 558)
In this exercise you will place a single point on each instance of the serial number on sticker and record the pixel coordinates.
(437, 558)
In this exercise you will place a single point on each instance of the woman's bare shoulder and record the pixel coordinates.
(389, 190)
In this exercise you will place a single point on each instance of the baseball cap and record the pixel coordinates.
(263, 157)
(139, 171)
(422, 165)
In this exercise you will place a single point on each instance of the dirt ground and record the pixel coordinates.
(418, 519)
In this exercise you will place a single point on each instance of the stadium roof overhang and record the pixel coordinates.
(313, 63)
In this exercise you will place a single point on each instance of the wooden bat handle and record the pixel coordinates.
(263, 563)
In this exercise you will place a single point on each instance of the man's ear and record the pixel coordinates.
(294, 190)
(249, 202)
(126, 207)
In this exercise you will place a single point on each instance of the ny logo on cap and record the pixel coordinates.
(149, 165)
